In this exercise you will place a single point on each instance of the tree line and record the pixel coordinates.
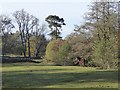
(29, 38)
(98, 36)
(96, 40)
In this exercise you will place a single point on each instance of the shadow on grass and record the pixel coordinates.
(22, 79)
(60, 89)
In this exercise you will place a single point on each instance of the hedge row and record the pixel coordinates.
(7, 59)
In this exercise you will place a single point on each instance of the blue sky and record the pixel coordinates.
(72, 12)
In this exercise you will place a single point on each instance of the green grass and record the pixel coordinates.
(36, 76)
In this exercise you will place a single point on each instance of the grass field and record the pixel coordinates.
(36, 76)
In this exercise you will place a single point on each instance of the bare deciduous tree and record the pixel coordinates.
(26, 24)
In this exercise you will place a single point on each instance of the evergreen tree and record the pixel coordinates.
(55, 24)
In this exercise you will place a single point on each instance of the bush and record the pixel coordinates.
(52, 50)
(57, 51)
(7, 59)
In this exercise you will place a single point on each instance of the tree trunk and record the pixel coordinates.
(29, 52)
(37, 50)
(23, 42)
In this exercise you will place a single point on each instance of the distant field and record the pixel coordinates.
(35, 76)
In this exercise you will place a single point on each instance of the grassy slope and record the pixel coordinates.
(35, 76)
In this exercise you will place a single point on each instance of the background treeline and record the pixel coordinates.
(25, 37)
(98, 35)
(96, 40)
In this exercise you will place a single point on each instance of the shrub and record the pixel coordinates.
(7, 59)
(57, 51)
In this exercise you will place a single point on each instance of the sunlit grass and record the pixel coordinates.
(35, 76)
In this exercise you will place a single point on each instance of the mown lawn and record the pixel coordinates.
(36, 76)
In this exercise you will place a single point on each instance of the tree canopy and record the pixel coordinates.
(55, 24)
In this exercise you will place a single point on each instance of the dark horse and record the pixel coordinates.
(79, 61)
